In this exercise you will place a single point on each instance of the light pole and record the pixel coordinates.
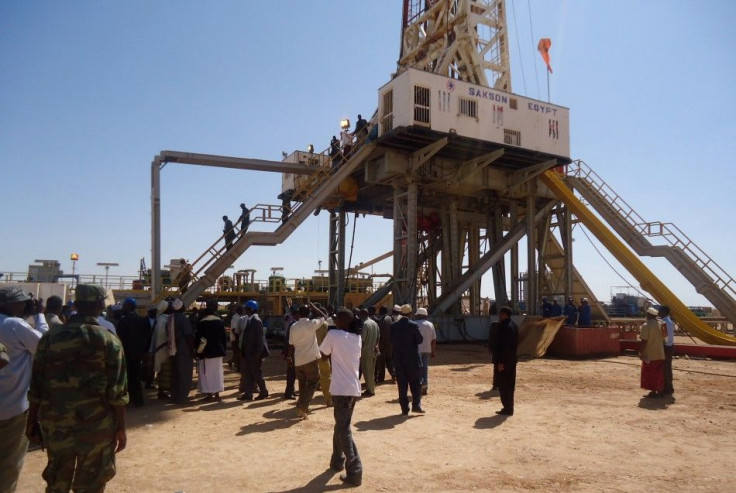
(107, 266)
(74, 257)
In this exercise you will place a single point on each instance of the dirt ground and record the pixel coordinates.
(578, 426)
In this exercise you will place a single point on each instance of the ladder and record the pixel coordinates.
(704, 273)
(310, 192)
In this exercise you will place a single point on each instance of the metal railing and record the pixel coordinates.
(673, 235)
(324, 164)
(109, 281)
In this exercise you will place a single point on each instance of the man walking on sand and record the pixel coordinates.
(304, 354)
(669, 348)
(651, 352)
(405, 340)
(370, 335)
(342, 346)
(428, 346)
(505, 344)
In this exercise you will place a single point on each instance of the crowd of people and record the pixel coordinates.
(574, 315)
(66, 380)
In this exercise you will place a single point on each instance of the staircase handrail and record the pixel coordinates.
(672, 234)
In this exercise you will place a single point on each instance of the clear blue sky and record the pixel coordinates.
(91, 91)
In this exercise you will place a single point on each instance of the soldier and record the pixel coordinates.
(78, 395)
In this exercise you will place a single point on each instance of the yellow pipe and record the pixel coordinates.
(649, 282)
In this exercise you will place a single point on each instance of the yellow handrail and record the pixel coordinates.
(649, 282)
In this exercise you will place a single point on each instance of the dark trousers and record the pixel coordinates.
(668, 352)
(290, 380)
(181, 379)
(236, 354)
(344, 451)
(250, 367)
(506, 385)
(308, 376)
(133, 365)
(383, 363)
(495, 377)
(409, 379)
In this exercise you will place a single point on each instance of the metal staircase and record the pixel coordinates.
(708, 278)
(310, 192)
(380, 293)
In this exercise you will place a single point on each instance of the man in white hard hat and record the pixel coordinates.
(651, 352)
(428, 346)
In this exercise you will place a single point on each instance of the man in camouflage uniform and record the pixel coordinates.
(78, 395)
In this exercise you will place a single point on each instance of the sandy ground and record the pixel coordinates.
(579, 426)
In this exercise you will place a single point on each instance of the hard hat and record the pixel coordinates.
(252, 304)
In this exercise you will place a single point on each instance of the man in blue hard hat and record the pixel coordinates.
(253, 349)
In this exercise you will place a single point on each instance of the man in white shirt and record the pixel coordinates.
(20, 341)
(234, 332)
(304, 353)
(669, 349)
(107, 325)
(343, 348)
(427, 346)
(346, 139)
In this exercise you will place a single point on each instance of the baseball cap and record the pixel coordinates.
(12, 295)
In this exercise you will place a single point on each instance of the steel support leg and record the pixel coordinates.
(567, 245)
(340, 293)
(400, 277)
(473, 256)
(412, 249)
(155, 228)
(514, 262)
(531, 258)
(332, 258)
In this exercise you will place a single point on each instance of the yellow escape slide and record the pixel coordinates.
(649, 282)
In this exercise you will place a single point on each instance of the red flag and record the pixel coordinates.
(543, 47)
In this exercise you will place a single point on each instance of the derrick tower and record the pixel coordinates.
(465, 169)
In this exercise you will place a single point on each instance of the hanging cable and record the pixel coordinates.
(518, 47)
(614, 269)
(352, 244)
(531, 32)
(319, 259)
